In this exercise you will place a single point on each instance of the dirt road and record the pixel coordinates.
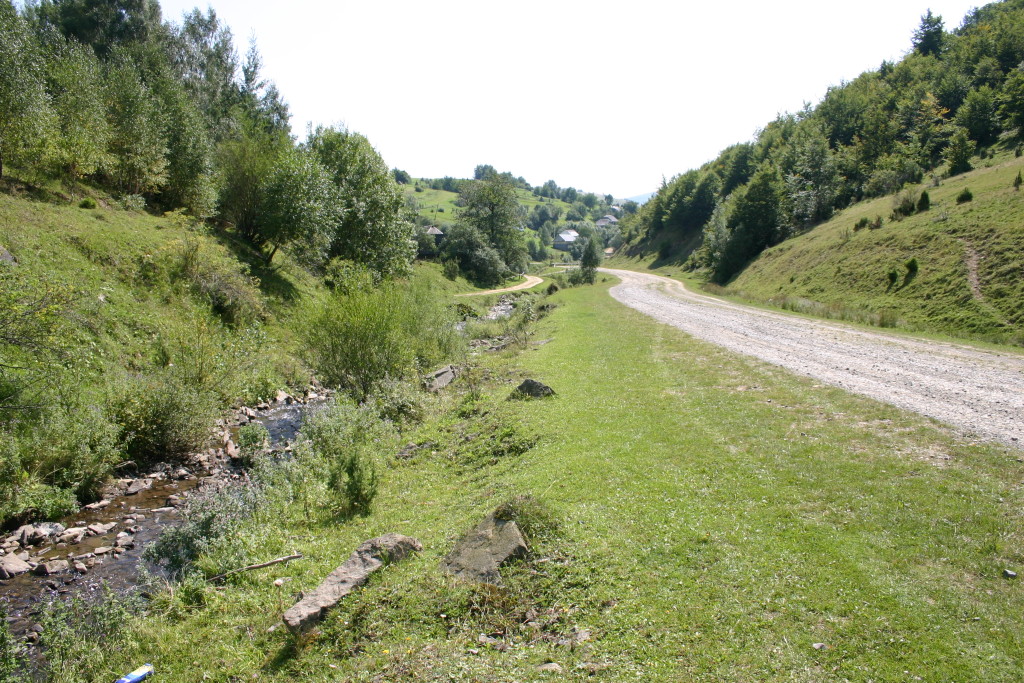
(977, 391)
(531, 281)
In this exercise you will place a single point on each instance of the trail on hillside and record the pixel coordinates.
(977, 391)
(531, 281)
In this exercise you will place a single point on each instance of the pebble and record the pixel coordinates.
(1008, 574)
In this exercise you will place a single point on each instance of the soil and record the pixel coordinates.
(979, 392)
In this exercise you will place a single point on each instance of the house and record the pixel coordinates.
(606, 220)
(564, 239)
(609, 252)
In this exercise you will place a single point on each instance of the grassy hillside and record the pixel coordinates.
(970, 259)
(692, 516)
(438, 206)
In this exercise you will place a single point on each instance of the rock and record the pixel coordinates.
(11, 566)
(367, 558)
(7, 257)
(39, 533)
(80, 567)
(181, 473)
(439, 379)
(1008, 574)
(138, 486)
(174, 501)
(51, 567)
(102, 550)
(248, 412)
(531, 388)
(282, 397)
(232, 449)
(99, 505)
(101, 529)
(479, 554)
(550, 667)
(73, 535)
(126, 542)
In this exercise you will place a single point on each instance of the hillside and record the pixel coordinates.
(970, 258)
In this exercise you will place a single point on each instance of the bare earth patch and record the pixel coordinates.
(981, 392)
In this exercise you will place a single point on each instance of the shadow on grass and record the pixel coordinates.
(273, 283)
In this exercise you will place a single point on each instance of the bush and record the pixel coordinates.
(903, 204)
(133, 202)
(861, 224)
(358, 340)
(343, 439)
(552, 288)
(397, 401)
(964, 196)
(160, 418)
(925, 202)
(12, 652)
(893, 277)
(911, 266)
(87, 203)
(1017, 182)
(253, 441)
(876, 224)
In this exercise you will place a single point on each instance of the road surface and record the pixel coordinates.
(974, 390)
(531, 281)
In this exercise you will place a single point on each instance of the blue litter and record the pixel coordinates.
(140, 674)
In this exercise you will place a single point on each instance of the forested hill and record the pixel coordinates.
(957, 96)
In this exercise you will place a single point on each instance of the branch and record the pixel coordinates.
(296, 556)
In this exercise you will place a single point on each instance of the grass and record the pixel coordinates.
(438, 206)
(705, 517)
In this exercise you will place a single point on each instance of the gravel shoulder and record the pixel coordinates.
(980, 392)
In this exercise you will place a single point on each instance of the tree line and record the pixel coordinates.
(168, 116)
(954, 95)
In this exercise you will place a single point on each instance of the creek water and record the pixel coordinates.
(144, 515)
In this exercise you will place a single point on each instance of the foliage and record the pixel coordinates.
(138, 146)
(924, 202)
(468, 250)
(246, 161)
(25, 114)
(958, 154)
(911, 266)
(965, 196)
(491, 207)
(12, 652)
(300, 208)
(590, 260)
(253, 441)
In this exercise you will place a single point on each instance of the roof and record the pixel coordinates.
(433, 230)
(567, 236)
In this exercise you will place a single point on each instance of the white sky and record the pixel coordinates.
(606, 97)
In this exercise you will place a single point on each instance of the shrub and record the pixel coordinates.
(12, 652)
(911, 266)
(876, 224)
(133, 202)
(397, 401)
(964, 196)
(861, 224)
(1017, 182)
(903, 204)
(160, 418)
(87, 203)
(893, 277)
(552, 288)
(253, 441)
(925, 202)
(344, 438)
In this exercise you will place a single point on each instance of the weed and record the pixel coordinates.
(862, 223)
(12, 653)
(87, 203)
(253, 441)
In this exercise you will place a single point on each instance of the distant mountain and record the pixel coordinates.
(641, 198)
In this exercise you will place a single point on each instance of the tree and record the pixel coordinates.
(492, 208)
(205, 60)
(25, 114)
(137, 126)
(978, 116)
(755, 223)
(104, 24)
(591, 259)
(300, 207)
(372, 229)
(930, 35)
(483, 172)
(476, 259)
(190, 173)
(959, 152)
(1012, 99)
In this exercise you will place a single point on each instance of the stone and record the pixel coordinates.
(7, 257)
(80, 567)
(369, 557)
(531, 388)
(12, 565)
(181, 473)
(282, 397)
(38, 533)
(479, 554)
(1008, 574)
(101, 529)
(138, 486)
(439, 379)
(550, 667)
(102, 550)
(99, 505)
(51, 567)
(174, 501)
(73, 535)
(126, 542)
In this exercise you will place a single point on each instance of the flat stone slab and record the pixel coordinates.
(367, 558)
(12, 565)
(441, 378)
(479, 554)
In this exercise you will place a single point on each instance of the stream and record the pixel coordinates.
(115, 531)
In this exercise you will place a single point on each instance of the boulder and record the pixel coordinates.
(73, 535)
(138, 486)
(479, 554)
(7, 257)
(441, 378)
(531, 388)
(367, 558)
(11, 566)
(38, 533)
(99, 505)
(51, 567)
(101, 529)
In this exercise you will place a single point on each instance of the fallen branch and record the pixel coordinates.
(261, 565)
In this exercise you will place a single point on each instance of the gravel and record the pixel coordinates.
(978, 391)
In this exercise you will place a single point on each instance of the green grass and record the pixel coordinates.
(438, 206)
(845, 270)
(706, 517)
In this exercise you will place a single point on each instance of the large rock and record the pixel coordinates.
(39, 533)
(479, 554)
(73, 535)
(439, 379)
(138, 486)
(7, 257)
(11, 566)
(368, 558)
(51, 567)
(531, 388)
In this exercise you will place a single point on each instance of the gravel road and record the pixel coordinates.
(981, 392)
(531, 281)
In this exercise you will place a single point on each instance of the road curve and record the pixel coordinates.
(531, 281)
(974, 390)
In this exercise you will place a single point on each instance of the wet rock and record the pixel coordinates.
(163, 510)
(12, 565)
(102, 550)
(99, 505)
(73, 535)
(531, 388)
(138, 486)
(174, 501)
(367, 558)
(479, 554)
(439, 379)
(101, 529)
(80, 567)
(181, 473)
(51, 567)
(39, 533)
(127, 542)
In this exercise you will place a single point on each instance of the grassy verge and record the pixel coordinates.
(695, 516)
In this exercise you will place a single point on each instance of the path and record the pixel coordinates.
(978, 391)
(531, 281)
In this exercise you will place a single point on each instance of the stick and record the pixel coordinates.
(296, 556)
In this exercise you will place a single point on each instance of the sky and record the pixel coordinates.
(607, 97)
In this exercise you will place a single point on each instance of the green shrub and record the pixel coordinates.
(964, 196)
(12, 652)
(876, 224)
(1017, 182)
(552, 288)
(253, 441)
(160, 418)
(911, 266)
(87, 203)
(133, 202)
(893, 277)
(397, 401)
(925, 202)
(861, 224)
(903, 204)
